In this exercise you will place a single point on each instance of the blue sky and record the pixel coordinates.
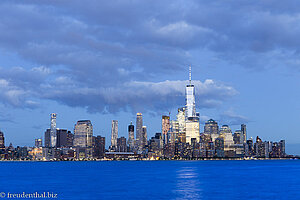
(106, 60)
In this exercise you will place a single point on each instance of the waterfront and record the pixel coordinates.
(260, 179)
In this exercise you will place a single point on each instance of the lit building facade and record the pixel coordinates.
(114, 133)
(83, 133)
(139, 125)
(37, 143)
(131, 136)
(165, 128)
(53, 130)
(192, 130)
(190, 109)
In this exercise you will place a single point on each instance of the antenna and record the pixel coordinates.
(190, 74)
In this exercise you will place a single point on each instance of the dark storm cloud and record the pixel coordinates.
(109, 56)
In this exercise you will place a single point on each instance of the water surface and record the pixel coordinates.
(276, 179)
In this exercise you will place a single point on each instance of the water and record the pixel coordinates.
(277, 179)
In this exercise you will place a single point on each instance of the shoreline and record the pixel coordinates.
(104, 160)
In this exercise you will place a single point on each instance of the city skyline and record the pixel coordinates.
(179, 138)
(69, 59)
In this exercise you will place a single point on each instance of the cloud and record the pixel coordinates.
(130, 96)
(231, 118)
(111, 56)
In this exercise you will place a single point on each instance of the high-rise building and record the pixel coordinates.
(139, 125)
(121, 144)
(226, 134)
(144, 137)
(131, 136)
(190, 109)
(2, 141)
(38, 142)
(165, 128)
(211, 127)
(181, 120)
(83, 133)
(114, 133)
(47, 138)
(64, 138)
(237, 137)
(53, 130)
(219, 147)
(99, 147)
(249, 149)
(244, 133)
(192, 129)
(174, 131)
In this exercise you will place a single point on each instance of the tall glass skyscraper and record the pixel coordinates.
(190, 110)
(191, 117)
(83, 134)
(2, 144)
(165, 128)
(114, 133)
(139, 133)
(53, 130)
(131, 136)
(244, 133)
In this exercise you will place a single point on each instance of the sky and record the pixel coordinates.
(108, 60)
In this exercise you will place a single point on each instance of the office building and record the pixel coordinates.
(121, 144)
(53, 130)
(174, 131)
(190, 109)
(83, 133)
(244, 133)
(139, 125)
(237, 137)
(165, 128)
(47, 138)
(181, 120)
(192, 129)
(211, 127)
(38, 142)
(131, 136)
(114, 133)
(64, 138)
(2, 141)
(98, 147)
(143, 138)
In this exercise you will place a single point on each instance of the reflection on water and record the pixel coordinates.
(187, 184)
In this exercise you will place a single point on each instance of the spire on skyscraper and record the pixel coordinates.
(190, 75)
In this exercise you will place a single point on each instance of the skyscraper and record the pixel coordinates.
(2, 142)
(211, 127)
(83, 133)
(121, 143)
(190, 110)
(64, 138)
(98, 147)
(114, 133)
(53, 130)
(174, 131)
(244, 133)
(47, 138)
(38, 142)
(165, 127)
(181, 119)
(144, 138)
(131, 136)
(139, 125)
(192, 129)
